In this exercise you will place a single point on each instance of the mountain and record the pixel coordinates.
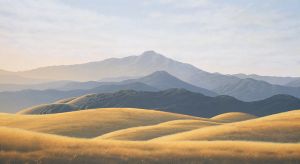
(39, 86)
(80, 85)
(7, 77)
(252, 90)
(12, 102)
(270, 79)
(159, 80)
(117, 79)
(181, 101)
(294, 83)
(163, 80)
(150, 62)
(132, 66)
(137, 86)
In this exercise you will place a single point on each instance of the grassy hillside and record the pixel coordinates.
(31, 147)
(283, 127)
(121, 134)
(89, 123)
(154, 131)
(233, 117)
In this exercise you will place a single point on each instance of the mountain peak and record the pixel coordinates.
(151, 53)
(160, 73)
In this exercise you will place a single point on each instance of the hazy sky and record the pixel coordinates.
(227, 36)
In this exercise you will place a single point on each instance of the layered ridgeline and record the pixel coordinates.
(160, 80)
(294, 83)
(251, 90)
(150, 61)
(7, 77)
(106, 135)
(269, 79)
(171, 100)
(12, 102)
(132, 66)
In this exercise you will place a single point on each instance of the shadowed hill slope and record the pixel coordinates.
(44, 109)
(184, 102)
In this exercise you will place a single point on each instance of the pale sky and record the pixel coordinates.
(226, 36)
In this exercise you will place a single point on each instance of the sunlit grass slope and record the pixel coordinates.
(89, 123)
(283, 127)
(20, 146)
(233, 117)
(154, 131)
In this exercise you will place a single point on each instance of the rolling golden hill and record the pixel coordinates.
(89, 123)
(154, 131)
(233, 117)
(283, 127)
(128, 135)
(21, 146)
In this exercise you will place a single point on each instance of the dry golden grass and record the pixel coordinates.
(233, 117)
(283, 127)
(89, 123)
(154, 131)
(31, 147)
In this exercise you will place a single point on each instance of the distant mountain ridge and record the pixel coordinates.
(12, 102)
(161, 80)
(118, 69)
(253, 90)
(132, 66)
(39, 86)
(294, 83)
(177, 101)
(269, 79)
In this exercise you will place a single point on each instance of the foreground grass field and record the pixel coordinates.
(31, 147)
(126, 135)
